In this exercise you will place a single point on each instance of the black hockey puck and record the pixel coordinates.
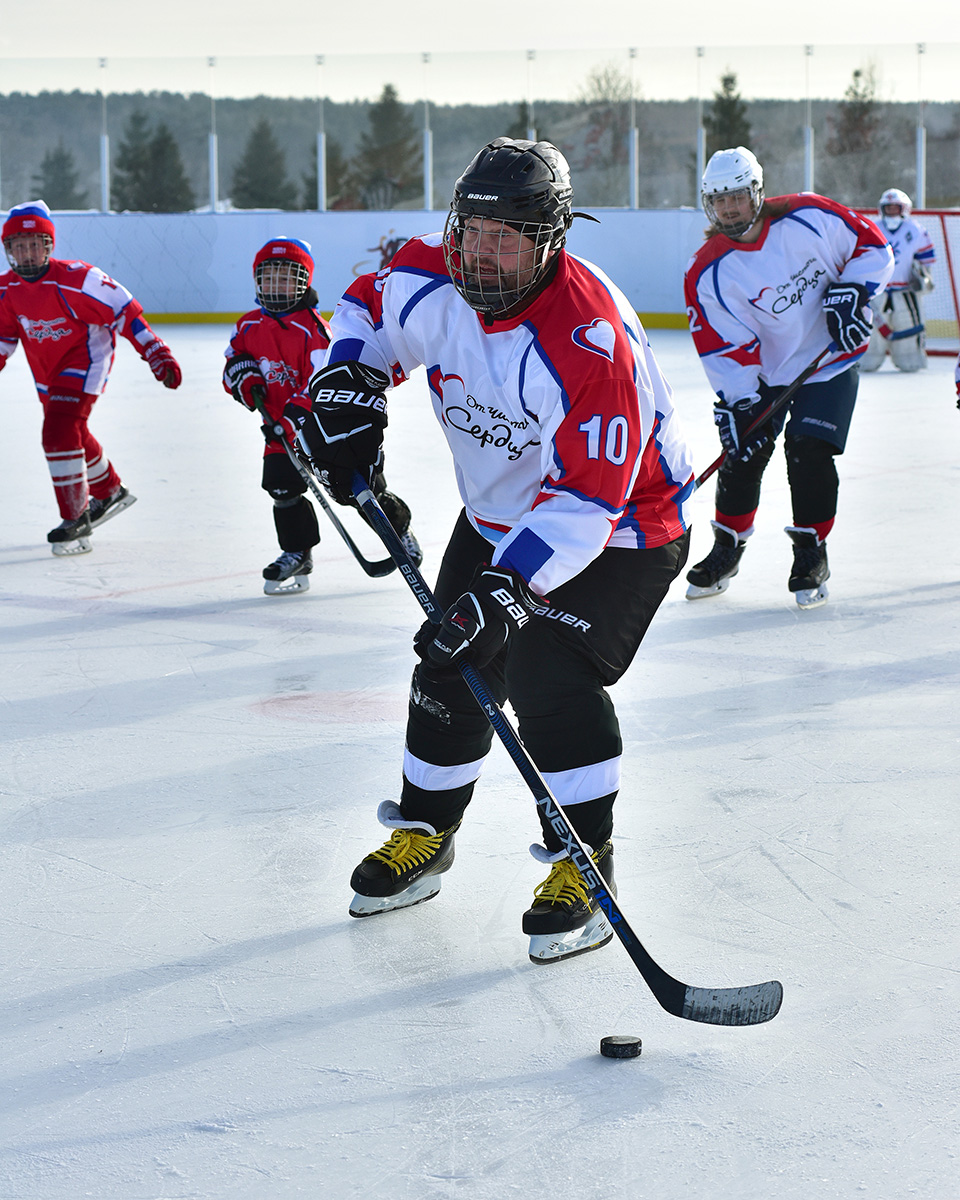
(620, 1047)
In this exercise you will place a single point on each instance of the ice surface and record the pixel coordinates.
(191, 769)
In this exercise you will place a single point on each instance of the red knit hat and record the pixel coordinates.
(32, 217)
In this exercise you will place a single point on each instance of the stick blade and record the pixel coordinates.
(733, 1006)
(377, 570)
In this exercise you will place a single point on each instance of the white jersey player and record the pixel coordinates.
(779, 285)
(898, 314)
(574, 476)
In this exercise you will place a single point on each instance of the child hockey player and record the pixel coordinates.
(898, 315)
(777, 282)
(67, 315)
(271, 355)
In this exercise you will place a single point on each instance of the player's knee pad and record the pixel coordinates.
(812, 474)
(296, 523)
(444, 722)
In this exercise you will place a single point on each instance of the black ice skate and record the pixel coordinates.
(288, 573)
(565, 919)
(405, 870)
(71, 536)
(712, 576)
(104, 510)
(810, 570)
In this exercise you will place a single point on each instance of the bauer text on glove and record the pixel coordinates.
(733, 420)
(476, 627)
(163, 365)
(343, 432)
(844, 305)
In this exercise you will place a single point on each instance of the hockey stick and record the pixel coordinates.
(378, 569)
(778, 405)
(713, 1006)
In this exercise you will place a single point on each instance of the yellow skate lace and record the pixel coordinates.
(564, 885)
(407, 848)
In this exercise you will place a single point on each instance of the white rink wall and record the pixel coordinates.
(199, 264)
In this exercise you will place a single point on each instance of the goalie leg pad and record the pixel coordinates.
(907, 339)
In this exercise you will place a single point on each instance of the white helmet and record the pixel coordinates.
(900, 206)
(735, 170)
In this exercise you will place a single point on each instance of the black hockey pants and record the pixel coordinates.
(554, 671)
(819, 422)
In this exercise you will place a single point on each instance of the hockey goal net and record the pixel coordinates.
(941, 310)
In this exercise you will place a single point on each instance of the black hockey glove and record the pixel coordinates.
(476, 627)
(284, 429)
(343, 432)
(848, 325)
(733, 421)
(245, 380)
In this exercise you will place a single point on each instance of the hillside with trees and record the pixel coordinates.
(267, 146)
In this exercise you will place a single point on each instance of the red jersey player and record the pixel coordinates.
(272, 354)
(67, 314)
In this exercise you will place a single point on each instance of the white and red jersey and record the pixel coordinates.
(67, 321)
(910, 243)
(756, 308)
(562, 429)
(288, 349)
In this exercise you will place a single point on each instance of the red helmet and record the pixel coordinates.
(281, 287)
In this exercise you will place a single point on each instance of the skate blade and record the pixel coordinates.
(368, 906)
(552, 947)
(286, 587)
(698, 593)
(66, 549)
(112, 512)
(812, 597)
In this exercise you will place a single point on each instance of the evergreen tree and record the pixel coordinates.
(149, 174)
(132, 169)
(171, 190)
(855, 126)
(726, 123)
(260, 178)
(387, 167)
(58, 178)
(857, 162)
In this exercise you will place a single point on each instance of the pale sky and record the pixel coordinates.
(242, 36)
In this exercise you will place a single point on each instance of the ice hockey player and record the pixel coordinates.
(897, 312)
(67, 314)
(574, 475)
(271, 356)
(776, 283)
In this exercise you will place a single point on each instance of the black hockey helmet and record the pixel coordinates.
(525, 185)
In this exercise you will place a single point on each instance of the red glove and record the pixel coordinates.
(243, 377)
(163, 365)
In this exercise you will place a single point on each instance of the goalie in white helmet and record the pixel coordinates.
(898, 326)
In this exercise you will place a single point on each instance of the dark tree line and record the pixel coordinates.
(267, 146)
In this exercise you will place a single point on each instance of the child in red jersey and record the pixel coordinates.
(273, 351)
(67, 314)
